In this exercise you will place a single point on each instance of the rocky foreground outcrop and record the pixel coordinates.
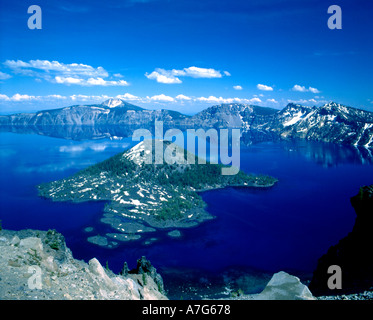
(353, 254)
(37, 265)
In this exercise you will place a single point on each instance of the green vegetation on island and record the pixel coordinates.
(161, 195)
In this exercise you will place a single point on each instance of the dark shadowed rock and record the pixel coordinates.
(353, 254)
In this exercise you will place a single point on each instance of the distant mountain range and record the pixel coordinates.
(331, 122)
(110, 112)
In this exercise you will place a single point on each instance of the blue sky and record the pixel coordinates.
(185, 55)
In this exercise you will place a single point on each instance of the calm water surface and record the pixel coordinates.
(287, 227)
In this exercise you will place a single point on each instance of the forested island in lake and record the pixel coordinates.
(159, 195)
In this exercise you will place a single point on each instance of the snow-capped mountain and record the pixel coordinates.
(112, 103)
(332, 122)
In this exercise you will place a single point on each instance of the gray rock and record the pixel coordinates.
(15, 241)
(32, 243)
(3, 239)
(96, 268)
(284, 286)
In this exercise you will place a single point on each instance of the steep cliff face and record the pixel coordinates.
(353, 254)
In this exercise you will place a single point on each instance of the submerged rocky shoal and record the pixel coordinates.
(144, 197)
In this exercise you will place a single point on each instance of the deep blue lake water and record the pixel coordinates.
(287, 227)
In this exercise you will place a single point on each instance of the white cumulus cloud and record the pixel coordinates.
(162, 97)
(182, 97)
(57, 100)
(4, 76)
(4, 97)
(62, 73)
(300, 88)
(68, 80)
(173, 76)
(313, 90)
(22, 97)
(272, 100)
(90, 82)
(71, 69)
(196, 72)
(88, 98)
(264, 87)
(213, 99)
(162, 76)
(254, 100)
(128, 96)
